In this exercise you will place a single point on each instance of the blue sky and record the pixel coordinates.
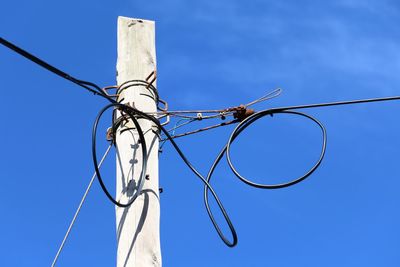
(211, 54)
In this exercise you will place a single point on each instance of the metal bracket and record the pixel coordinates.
(165, 109)
(152, 74)
(105, 90)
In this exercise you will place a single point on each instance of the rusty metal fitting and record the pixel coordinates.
(105, 90)
(153, 77)
(110, 134)
(241, 112)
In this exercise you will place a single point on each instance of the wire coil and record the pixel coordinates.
(250, 120)
(142, 175)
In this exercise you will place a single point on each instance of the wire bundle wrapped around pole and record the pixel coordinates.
(134, 115)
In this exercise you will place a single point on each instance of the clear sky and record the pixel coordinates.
(211, 54)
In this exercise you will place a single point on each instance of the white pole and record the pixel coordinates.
(138, 227)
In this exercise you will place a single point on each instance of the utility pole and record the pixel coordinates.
(138, 226)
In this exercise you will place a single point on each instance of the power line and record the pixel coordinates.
(243, 116)
(338, 103)
(91, 87)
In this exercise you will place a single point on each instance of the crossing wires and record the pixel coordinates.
(242, 116)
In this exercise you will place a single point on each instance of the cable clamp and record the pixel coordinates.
(241, 112)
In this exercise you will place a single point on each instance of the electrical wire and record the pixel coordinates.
(219, 115)
(91, 87)
(226, 151)
(177, 125)
(219, 112)
(250, 120)
(135, 114)
(128, 110)
(79, 208)
(222, 114)
(225, 123)
(337, 103)
(275, 93)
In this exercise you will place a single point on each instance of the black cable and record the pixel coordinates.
(338, 103)
(135, 114)
(131, 113)
(251, 119)
(91, 87)
(226, 149)
(207, 185)
(247, 122)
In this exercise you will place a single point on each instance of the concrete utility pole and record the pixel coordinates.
(138, 226)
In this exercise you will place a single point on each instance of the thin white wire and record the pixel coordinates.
(79, 208)
(270, 95)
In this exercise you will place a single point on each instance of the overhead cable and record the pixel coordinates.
(91, 87)
(242, 115)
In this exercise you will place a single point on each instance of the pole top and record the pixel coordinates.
(133, 21)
